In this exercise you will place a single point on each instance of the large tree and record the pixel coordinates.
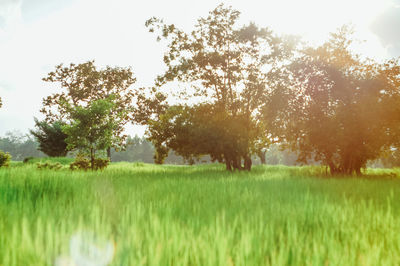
(333, 107)
(51, 138)
(229, 69)
(83, 84)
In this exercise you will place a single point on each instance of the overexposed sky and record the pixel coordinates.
(36, 35)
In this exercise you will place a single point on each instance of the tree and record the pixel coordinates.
(389, 73)
(92, 127)
(1, 103)
(333, 108)
(229, 69)
(194, 131)
(51, 138)
(83, 84)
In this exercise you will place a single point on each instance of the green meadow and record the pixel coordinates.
(201, 215)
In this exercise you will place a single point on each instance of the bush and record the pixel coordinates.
(49, 165)
(80, 163)
(100, 164)
(5, 159)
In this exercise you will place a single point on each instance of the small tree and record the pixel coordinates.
(51, 138)
(91, 128)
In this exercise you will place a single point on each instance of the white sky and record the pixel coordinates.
(36, 35)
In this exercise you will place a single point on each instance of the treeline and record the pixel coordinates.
(21, 146)
(231, 92)
(327, 104)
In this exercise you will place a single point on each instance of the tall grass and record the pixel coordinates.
(201, 215)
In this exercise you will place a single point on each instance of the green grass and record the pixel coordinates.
(202, 215)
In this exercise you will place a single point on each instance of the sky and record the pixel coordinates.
(37, 35)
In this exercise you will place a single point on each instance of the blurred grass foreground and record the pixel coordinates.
(141, 214)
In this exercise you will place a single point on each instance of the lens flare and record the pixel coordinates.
(88, 249)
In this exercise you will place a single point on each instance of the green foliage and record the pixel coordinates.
(100, 164)
(80, 163)
(333, 107)
(91, 128)
(49, 165)
(83, 84)
(5, 159)
(51, 138)
(61, 160)
(230, 69)
(200, 130)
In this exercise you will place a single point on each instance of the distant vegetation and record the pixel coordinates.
(20, 146)
(25, 147)
(243, 91)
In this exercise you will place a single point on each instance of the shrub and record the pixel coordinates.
(80, 163)
(5, 159)
(100, 164)
(49, 165)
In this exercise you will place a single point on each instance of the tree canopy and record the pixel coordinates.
(230, 69)
(334, 108)
(82, 84)
(91, 128)
(51, 138)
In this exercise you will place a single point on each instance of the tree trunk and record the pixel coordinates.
(237, 164)
(228, 162)
(357, 167)
(261, 154)
(358, 171)
(92, 158)
(332, 168)
(109, 153)
(247, 163)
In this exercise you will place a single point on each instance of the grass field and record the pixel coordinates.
(200, 215)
